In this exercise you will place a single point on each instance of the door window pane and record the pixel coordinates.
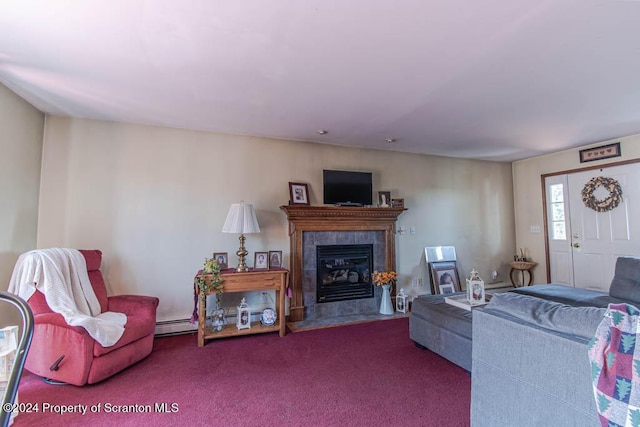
(557, 210)
(559, 231)
(558, 222)
(557, 193)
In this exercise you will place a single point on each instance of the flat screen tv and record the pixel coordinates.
(346, 188)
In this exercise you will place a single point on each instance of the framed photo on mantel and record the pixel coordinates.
(384, 199)
(299, 193)
(397, 203)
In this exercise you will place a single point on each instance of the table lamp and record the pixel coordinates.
(241, 219)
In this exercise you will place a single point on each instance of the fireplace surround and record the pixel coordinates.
(314, 224)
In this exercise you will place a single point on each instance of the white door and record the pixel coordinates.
(594, 240)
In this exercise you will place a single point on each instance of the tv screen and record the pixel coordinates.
(347, 188)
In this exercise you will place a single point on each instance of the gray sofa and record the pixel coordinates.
(442, 328)
(530, 365)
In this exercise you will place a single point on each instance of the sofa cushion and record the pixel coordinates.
(435, 310)
(577, 297)
(137, 326)
(579, 322)
(626, 279)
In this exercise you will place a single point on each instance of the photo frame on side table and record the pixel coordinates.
(222, 258)
(261, 261)
(275, 259)
(299, 193)
(443, 275)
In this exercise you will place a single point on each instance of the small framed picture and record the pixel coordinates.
(384, 199)
(443, 274)
(299, 193)
(275, 259)
(447, 289)
(599, 153)
(222, 258)
(397, 203)
(261, 261)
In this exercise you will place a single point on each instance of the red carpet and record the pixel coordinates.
(357, 375)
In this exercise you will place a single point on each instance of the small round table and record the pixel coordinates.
(523, 267)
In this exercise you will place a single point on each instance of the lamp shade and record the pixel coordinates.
(241, 219)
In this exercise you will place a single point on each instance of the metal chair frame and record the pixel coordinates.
(21, 353)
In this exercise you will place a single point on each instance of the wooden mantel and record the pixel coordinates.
(334, 218)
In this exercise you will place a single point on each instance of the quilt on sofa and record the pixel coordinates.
(615, 366)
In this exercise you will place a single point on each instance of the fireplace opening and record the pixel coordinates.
(344, 272)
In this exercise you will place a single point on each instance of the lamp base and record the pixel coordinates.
(242, 254)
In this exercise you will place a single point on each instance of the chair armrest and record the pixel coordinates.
(133, 304)
(56, 319)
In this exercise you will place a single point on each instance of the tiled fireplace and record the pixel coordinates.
(332, 240)
(313, 226)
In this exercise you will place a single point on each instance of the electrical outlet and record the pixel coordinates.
(412, 230)
(419, 282)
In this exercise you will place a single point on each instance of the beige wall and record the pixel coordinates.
(154, 200)
(528, 193)
(21, 147)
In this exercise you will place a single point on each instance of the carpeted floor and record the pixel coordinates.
(356, 375)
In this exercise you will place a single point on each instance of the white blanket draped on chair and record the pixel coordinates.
(61, 275)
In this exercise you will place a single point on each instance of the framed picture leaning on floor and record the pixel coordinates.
(444, 277)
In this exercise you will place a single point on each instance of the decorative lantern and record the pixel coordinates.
(475, 288)
(243, 320)
(401, 301)
(217, 319)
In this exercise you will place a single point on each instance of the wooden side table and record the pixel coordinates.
(253, 280)
(523, 267)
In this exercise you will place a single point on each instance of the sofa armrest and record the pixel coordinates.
(57, 320)
(133, 304)
(580, 322)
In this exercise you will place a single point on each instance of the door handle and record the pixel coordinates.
(576, 245)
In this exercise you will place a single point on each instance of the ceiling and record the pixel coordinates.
(495, 79)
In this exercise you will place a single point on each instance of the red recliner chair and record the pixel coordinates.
(85, 361)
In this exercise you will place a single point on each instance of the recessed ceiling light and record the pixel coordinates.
(390, 140)
(322, 132)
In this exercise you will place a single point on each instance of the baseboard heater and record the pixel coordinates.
(175, 327)
(183, 326)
